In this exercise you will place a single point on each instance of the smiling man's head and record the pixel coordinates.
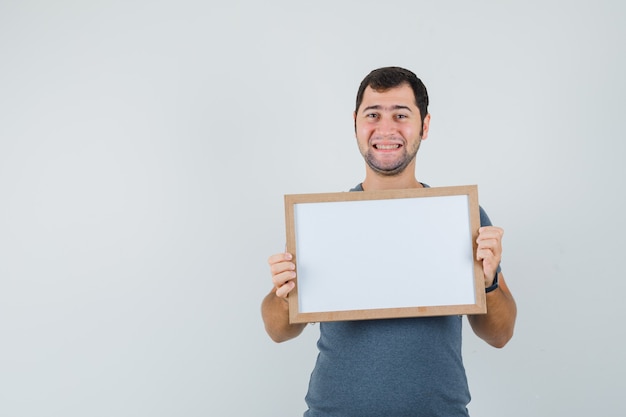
(382, 79)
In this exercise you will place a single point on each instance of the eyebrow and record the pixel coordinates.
(395, 107)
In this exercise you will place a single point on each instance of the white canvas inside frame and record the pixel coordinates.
(377, 254)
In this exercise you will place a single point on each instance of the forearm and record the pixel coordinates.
(275, 313)
(496, 327)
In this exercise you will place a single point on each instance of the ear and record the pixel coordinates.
(354, 118)
(425, 126)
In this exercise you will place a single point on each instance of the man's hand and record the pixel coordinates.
(283, 272)
(489, 251)
(495, 327)
(275, 309)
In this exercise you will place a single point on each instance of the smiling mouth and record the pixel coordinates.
(386, 147)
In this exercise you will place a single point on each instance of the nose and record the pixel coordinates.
(386, 126)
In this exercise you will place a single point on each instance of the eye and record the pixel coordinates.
(401, 116)
(371, 115)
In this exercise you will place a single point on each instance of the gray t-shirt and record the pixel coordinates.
(393, 367)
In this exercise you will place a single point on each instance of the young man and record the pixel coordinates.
(394, 367)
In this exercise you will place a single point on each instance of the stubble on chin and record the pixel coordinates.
(390, 170)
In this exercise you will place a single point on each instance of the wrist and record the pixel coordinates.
(494, 285)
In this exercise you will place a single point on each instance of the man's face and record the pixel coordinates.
(389, 129)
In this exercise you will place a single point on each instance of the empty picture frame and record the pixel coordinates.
(384, 254)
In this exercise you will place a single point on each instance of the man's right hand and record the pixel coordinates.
(283, 273)
(275, 309)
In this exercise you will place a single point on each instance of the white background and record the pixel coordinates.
(145, 148)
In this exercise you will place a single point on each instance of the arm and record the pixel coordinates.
(275, 307)
(495, 327)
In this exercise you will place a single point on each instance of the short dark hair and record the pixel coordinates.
(382, 79)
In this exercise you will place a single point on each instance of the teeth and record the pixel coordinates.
(385, 147)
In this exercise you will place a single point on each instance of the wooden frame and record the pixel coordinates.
(384, 254)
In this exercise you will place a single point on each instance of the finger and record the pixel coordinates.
(490, 237)
(281, 278)
(280, 263)
(490, 232)
(485, 254)
(482, 253)
(489, 260)
(280, 267)
(285, 289)
(279, 257)
(490, 244)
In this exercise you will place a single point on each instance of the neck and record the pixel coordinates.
(404, 180)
